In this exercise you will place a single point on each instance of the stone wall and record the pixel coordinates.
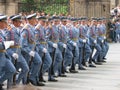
(90, 8)
(9, 7)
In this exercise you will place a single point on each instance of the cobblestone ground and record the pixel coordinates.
(104, 77)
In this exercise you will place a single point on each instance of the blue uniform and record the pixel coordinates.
(41, 40)
(93, 41)
(62, 45)
(14, 35)
(6, 66)
(83, 29)
(117, 30)
(53, 34)
(73, 39)
(28, 45)
(105, 43)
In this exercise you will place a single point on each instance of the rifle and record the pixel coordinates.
(40, 75)
(62, 68)
(83, 55)
(53, 59)
(14, 76)
(73, 65)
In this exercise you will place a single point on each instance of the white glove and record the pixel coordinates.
(104, 37)
(75, 44)
(102, 41)
(64, 45)
(11, 43)
(15, 56)
(55, 45)
(32, 53)
(44, 50)
(7, 44)
(95, 41)
(84, 40)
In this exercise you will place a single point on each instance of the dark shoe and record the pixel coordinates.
(97, 63)
(104, 58)
(52, 80)
(103, 61)
(40, 84)
(62, 75)
(55, 76)
(73, 71)
(66, 71)
(81, 68)
(91, 65)
(42, 79)
(33, 83)
(1, 87)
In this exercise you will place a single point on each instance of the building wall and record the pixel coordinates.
(90, 8)
(9, 7)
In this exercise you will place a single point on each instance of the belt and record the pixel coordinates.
(74, 39)
(15, 46)
(94, 36)
(55, 41)
(43, 42)
(2, 51)
(103, 35)
(32, 42)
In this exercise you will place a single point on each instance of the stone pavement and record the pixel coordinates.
(104, 77)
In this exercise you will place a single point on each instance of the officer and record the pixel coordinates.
(7, 69)
(41, 40)
(84, 47)
(29, 50)
(117, 30)
(93, 42)
(53, 34)
(73, 34)
(15, 50)
(100, 39)
(62, 44)
(104, 36)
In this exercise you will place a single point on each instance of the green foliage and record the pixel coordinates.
(48, 6)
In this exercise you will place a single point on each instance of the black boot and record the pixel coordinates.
(1, 87)
(97, 63)
(41, 79)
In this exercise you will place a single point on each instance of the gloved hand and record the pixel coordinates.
(74, 44)
(11, 43)
(7, 44)
(55, 45)
(64, 45)
(104, 37)
(102, 41)
(95, 41)
(32, 53)
(44, 50)
(15, 56)
(84, 40)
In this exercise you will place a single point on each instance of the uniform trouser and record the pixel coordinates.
(47, 61)
(24, 66)
(35, 66)
(98, 51)
(8, 70)
(58, 61)
(112, 35)
(72, 55)
(88, 52)
(68, 58)
(117, 36)
(107, 48)
(103, 50)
